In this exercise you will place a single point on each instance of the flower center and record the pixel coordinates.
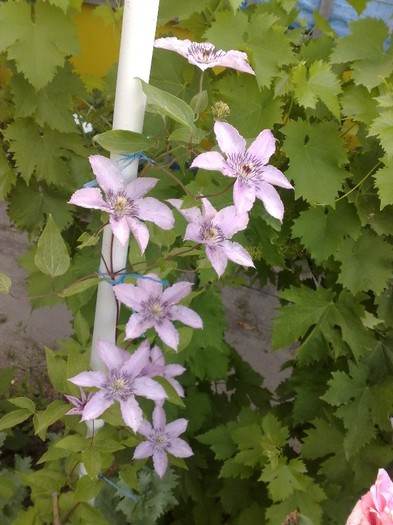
(244, 166)
(119, 386)
(211, 234)
(160, 440)
(204, 52)
(121, 205)
(154, 309)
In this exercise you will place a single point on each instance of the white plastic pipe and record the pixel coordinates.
(136, 51)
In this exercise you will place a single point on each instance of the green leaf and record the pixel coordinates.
(86, 489)
(122, 141)
(357, 103)
(167, 104)
(360, 272)
(285, 478)
(382, 127)
(270, 47)
(323, 439)
(323, 230)
(50, 415)
(79, 286)
(220, 441)
(227, 30)
(7, 176)
(51, 257)
(173, 396)
(57, 370)
(74, 442)
(359, 5)
(92, 462)
(14, 418)
(172, 9)
(38, 43)
(384, 183)
(317, 82)
(5, 283)
(23, 402)
(82, 329)
(316, 156)
(53, 454)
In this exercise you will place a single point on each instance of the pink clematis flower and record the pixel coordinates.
(205, 55)
(375, 507)
(214, 229)
(79, 404)
(157, 308)
(157, 367)
(123, 202)
(122, 383)
(162, 439)
(254, 177)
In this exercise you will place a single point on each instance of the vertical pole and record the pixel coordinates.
(136, 50)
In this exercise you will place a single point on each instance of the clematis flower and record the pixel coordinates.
(157, 308)
(375, 507)
(254, 177)
(124, 202)
(162, 439)
(214, 229)
(122, 383)
(205, 55)
(79, 404)
(157, 367)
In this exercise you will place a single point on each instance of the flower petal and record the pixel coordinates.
(211, 160)
(193, 233)
(180, 449)
(96, 379)
(89, 198)
(177, 427)
(96, 406)
(236, 253)
(157, 356)
(231, 221)
(186, 316)
(168, 333)
(112, 356)
(159, 419)
(107, 172)
(190, 214)
(136, 326)
(139, 186)
(131, 413)
(173, 370)
(218, 259)
(153, 210)
(146, 387)
(160, 461)
(243, 196)
(174, 44)
(229, 139)
(145, 428)
(152, 284)
(143, 450)
(236, 60)
(271, 200)
(130, 295)
(120, 229)
(208, 209)
(274, 176)
(139, 231)
(176, 292)
(263, 146)
(138, 360)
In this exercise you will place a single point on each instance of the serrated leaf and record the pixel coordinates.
(285, 478)
(227, 30)
(5, 283)
(51, 256)
(37, 44)
(220, 441)
(123, 141)
(167, 104)
(316, 156)
(14, 418)
(384, 183)
(360, 272)
(358, 104)
(382, 127)
(323, 439)
(7, 176)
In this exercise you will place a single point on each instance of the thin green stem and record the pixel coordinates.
(199, 99)
(360, 182)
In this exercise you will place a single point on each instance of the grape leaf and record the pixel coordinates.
(316, 156)
(285, 478)
(322, 231)
(366, 264)
(316, 82)
(38, 43)
(227, 30)
(323, 439)
(357, 103)
(220, 441)
(7, 176)
(382, 127)
(384, 183)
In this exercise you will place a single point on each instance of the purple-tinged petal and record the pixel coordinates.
(139, 231)
(210, 160)
(229, 139)
(146, 387)
(136, 326)
(218, 259)
(177, 386)
(152, 286)
(243, 196)
(274, 176)
(236, 60)
(131, 413)
(144, 449)
(89, 198)
(236, 253)
(177, 427)
(168, 333)
(263, 146)
(89, 379)
(193, 233)
(139, 186)
(160, 462)
(231, 221)
(173, 370)
(180, 449)
(96, 406)
(174, 44)
(130, 295)
(157, 356)
(108, 173)
(138, 360)
(150, 209)
(186, 316)
(176, 292)
(159, 419)
(271, 200)
(120, 229)
(111, 355)
(145, 428)
(74, 412)
(190, 214)
(208, 209)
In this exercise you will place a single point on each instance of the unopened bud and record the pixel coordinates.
(220, 110)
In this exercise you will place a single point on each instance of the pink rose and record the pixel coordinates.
(375, 507)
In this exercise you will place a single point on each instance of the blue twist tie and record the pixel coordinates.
(125, 160)
(128, 494)
(113, 282)
(121, 278)
(91, 184)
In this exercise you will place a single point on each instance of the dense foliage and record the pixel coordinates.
(316, 443)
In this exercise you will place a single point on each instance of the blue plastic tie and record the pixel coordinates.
(121, 278)
(91, 184)
(125, 160)
(128, 494)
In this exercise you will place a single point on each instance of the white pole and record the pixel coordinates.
(136, 50)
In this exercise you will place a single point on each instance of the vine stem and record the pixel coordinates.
(198, 100)
(359, 183)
